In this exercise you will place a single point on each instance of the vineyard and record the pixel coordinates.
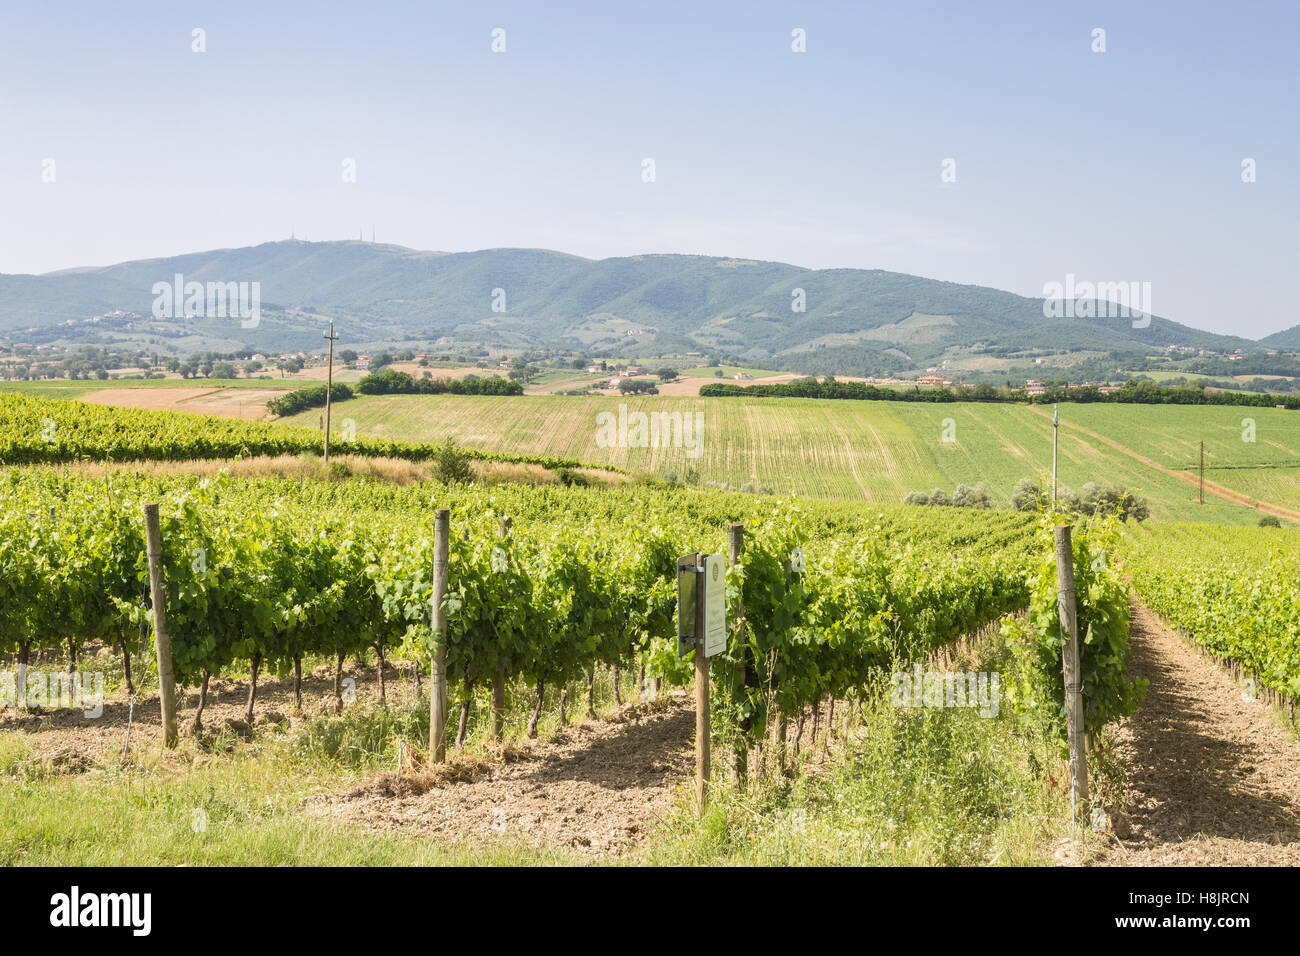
(1234, 591)
(260, 576)
(561, 598)
(37, 430)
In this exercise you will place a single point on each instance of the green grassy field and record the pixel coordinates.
(879, 451)
(1262, 461)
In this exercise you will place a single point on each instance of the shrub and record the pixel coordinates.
(1269, 521)
(392, 382)
(1028, 496)
(1093, 499)
(451, 463)
(303, 398)
(964, 496)
(571, 478)
(637, 386)
(1107, 501)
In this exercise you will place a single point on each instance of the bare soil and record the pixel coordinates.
(247, 403)
(599, 787)
(1214, 777)
(691, 385)
(100, 740)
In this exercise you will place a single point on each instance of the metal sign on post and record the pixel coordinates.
(715, 604)
(687, 587)
(701, 603)
(701, 627)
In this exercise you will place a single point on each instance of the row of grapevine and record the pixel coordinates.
(261, 574)
(1236, 591)
(44, 431)
(1102, 607)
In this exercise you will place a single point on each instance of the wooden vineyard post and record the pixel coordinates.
(499, 679)
(779, 729)
(740, 763)
(702, 627)
(162, 643)
(1066, 607)
(703, 728)
(438, 671)
(329, 394)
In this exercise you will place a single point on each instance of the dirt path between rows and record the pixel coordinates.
(599, 787)
(1214, 779)
(596, 787)
(1213, 487)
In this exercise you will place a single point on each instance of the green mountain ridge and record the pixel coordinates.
(529, 298)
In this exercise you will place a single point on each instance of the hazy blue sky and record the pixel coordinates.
(1123, 165)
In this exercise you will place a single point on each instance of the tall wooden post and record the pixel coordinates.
(1068, 610)
(438, 672)
(329, 391)
(740, 763)
(1202, 472)
(703, 724)
(779, 730)
(1056, 429)
(499, 679)
(162, 643)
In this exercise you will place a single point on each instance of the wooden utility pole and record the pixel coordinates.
(1056, 429)
(499, 679)
(1068, 611)
(329, 391)
(438, 671)
(1202, 472)
(741, 760)
(703, 728)
(162, 643)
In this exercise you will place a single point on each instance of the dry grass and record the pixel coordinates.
(503, 472)
(397, 471)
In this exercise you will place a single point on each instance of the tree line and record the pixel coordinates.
(392, 383)
(1133, 392)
